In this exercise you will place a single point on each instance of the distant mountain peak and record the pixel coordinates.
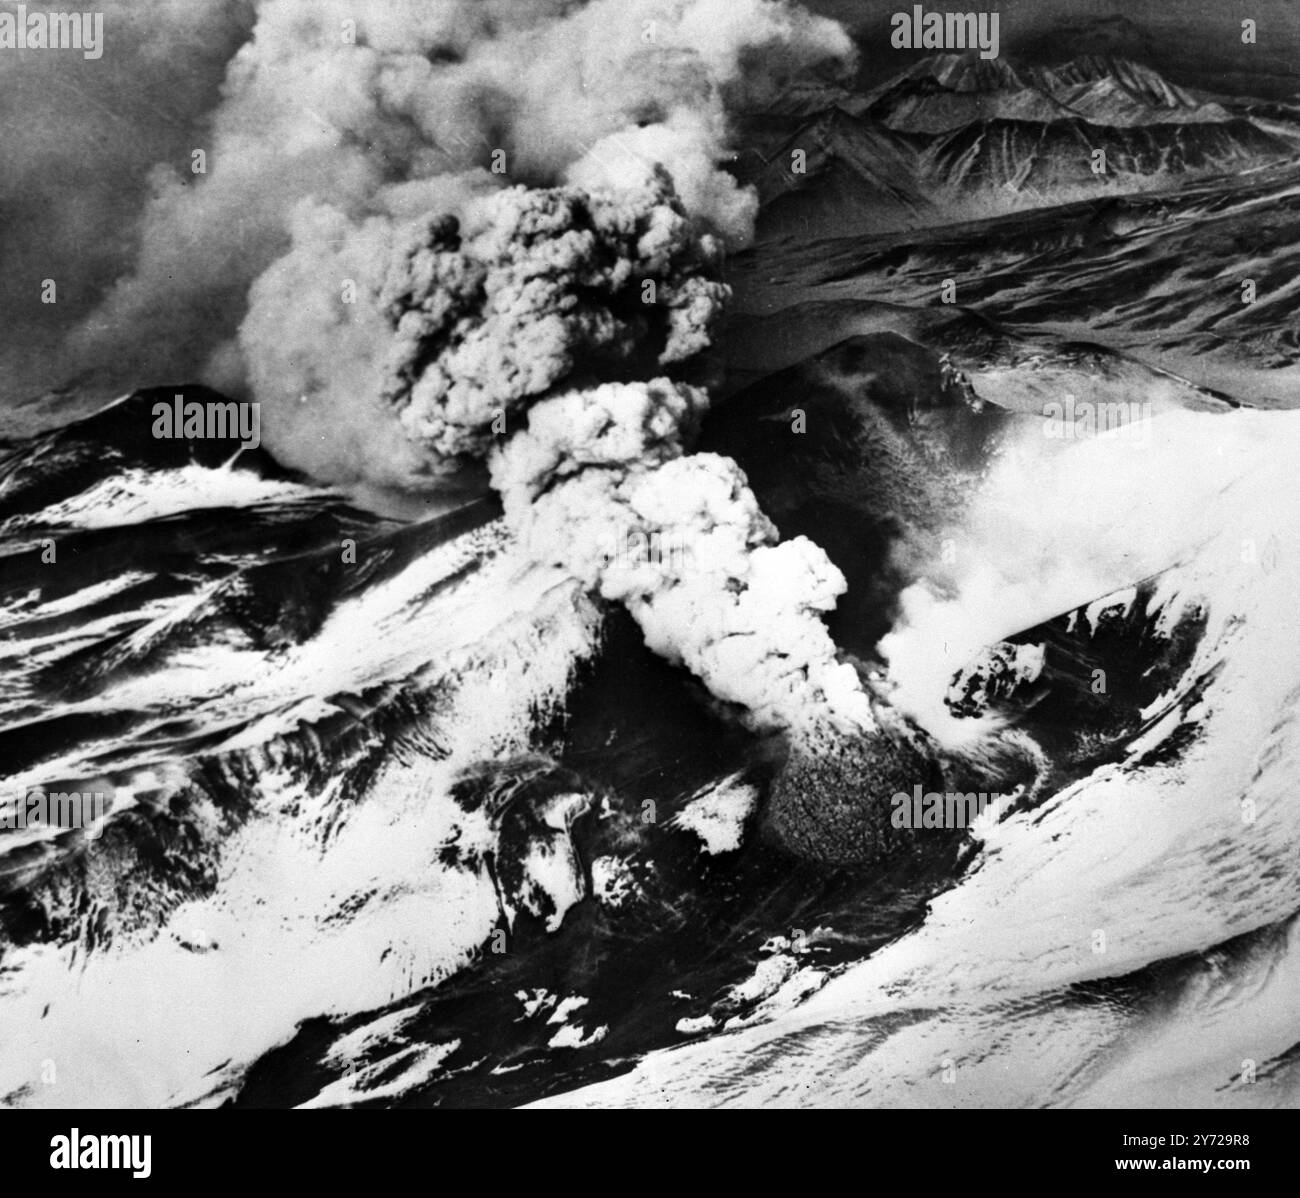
(946, 92)
(964, 72)
(954, 136)
(1142, 82)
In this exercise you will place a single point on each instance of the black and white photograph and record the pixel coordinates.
(641, 554)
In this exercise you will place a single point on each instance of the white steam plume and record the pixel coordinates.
(600, 470)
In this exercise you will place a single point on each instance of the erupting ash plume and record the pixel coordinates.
(492, 249)
(362, 107)
(737, 609)
(467, 337)
(453, 335)
(562, 310)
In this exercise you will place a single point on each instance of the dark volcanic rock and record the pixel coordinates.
(831, 802)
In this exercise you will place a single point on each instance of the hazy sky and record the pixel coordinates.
(1196, 41)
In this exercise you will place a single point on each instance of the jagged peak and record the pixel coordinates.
(956, 72)
(1137, 79)
(967, 72)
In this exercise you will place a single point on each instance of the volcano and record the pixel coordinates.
(552, 759)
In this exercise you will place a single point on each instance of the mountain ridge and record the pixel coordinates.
(956, 137)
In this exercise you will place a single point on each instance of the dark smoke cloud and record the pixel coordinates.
(337, 102)
(485, 236)
(462, 331)
(536, 329)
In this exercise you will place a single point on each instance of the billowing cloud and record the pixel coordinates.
(337, 103)
(396, 352)
(483, 239)
(599, 486)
